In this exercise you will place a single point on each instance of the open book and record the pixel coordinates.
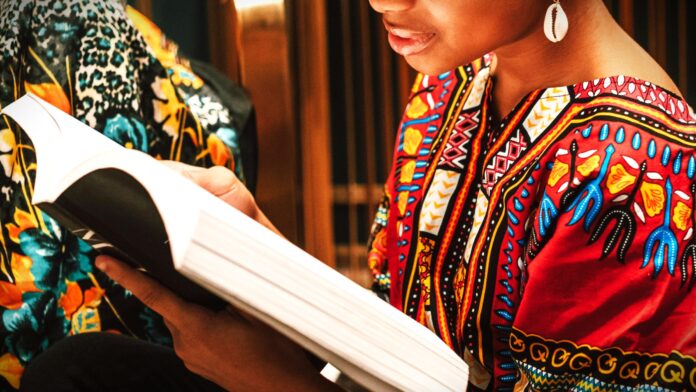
(181, 234)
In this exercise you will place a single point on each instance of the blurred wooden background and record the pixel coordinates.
(329, 94)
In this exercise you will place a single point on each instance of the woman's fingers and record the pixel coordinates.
(222, 183)
(182, 168)
(151, 293)
(225, 185)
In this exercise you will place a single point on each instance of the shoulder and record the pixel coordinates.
(635, 100)
(622, 163)
(635, 117)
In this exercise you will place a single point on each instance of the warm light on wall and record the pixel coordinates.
(246, 4)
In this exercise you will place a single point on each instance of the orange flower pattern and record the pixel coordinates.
(117, 72)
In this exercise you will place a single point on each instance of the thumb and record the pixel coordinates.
(225, 185)
(221, 182)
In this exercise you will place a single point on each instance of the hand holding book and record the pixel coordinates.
(227, 347)
(232, 350)
(207, 252)
(223, 183)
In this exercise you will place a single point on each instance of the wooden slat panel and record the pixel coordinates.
(368, 99)
(385, 61)
(266, 74)
(313, 105)
(348, 30)
(652, 29)
(373, 79)
(356, 193)
(345, 253)
(222, 33)
(379, 81)
(661, 31)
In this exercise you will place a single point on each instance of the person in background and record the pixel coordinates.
(113, 69)
(539, 216)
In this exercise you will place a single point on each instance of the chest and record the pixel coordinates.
(455, 168)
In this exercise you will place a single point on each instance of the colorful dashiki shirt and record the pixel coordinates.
(553, 249)
(111, 68)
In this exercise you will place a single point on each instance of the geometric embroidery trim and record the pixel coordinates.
(437, 200)
(503, 160)
(456, 150)
(551, 362)
(545, 111)
(477, 90)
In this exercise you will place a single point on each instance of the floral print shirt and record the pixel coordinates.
(113, 69)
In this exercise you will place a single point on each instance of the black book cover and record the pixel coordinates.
(114, 213)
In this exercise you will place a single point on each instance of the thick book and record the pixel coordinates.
(126, 202)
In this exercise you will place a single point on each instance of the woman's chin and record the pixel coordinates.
(428, 65)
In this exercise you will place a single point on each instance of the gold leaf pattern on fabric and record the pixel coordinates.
(167, 106)
(589, 166)
(85, 320)
(403, 202)
(682, 215)
(619, 179)
(653, 198)
(407, 172)
(417, 108)
(412, 140)
(559, 170)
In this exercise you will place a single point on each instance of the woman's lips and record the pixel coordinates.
(408, 42)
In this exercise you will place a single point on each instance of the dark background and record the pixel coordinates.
(185, 22)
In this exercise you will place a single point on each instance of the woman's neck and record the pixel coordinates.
(595, 46)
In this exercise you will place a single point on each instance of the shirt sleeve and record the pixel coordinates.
(610, 263)
(377, 250)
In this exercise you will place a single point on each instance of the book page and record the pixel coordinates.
(60, 141)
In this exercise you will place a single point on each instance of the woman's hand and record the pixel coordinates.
(227, 348)
(230, 349)
(224, 184)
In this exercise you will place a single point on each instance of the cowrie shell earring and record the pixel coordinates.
(556, 22)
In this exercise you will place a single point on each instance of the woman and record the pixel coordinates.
(538, 218)
(113, 69)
